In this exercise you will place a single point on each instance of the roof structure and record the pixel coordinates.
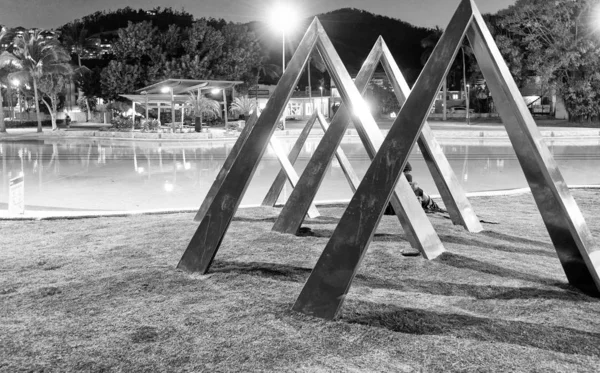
(181, 86)
(155, 97)
(158, 100)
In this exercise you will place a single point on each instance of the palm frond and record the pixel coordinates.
(8, 59)
(242, 105)
(204, 106)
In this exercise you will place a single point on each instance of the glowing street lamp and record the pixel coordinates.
(145, 93)
(167, 90)
(321, 89)
(282, 19)
(16, 83)
(467, 105)
(216, 91)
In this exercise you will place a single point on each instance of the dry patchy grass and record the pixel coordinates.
(103, 295)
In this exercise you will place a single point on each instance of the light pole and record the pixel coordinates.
(166, 90)
(17, 84)
(321, 108)
(467, 106)
(283, 69)
(145, 93)
(282, 18)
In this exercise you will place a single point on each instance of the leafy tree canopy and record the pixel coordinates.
(201, 51)
(558, 43)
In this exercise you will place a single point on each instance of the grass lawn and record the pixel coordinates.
(103, 295)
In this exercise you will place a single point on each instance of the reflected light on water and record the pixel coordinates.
(120, 175)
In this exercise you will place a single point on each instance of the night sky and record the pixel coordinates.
(54, 13)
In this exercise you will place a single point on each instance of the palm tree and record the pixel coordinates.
(6, 59)
(37, 56)
(203, 107)
(76, 39)
(242, 106)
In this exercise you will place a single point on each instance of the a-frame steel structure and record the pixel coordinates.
(326, 288)
(459, 208)
(218, 208)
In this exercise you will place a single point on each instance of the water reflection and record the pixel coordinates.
(113, 175)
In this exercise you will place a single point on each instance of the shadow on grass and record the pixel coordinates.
(319, 220)
(291, 273)
(463, 262)
(515, 239)
(473, 242)
(378, 237)
(426, 322)
(262, 269)
(482, 292)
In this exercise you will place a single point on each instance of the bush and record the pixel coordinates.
(31, 123)
(121, 124)
(149, 125)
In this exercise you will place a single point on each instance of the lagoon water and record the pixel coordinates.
(115, 175)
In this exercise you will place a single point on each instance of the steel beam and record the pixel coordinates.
(418, 228)
(292, 215)
(327, 286)
(345, 165)
(407, 208)
(281, 178)
(459, 208)
(214, 223)
(288, 170)
(231, 157)
(574, 244)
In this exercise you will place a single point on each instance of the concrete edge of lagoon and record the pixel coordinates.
(72, 215)
(442, 130)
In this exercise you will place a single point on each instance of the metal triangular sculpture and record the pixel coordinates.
(455, 200)
(225, 195)
(326, 288)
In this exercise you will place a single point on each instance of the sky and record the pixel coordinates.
(49, 14)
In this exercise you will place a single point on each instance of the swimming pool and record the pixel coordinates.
(115, 175)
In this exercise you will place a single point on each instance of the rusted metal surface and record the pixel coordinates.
(327, 286)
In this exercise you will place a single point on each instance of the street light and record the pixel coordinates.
(467, 106)
(145, 93)
(167, 90)
(216, 91)
(17, 84)
(282, 18)
(321, 89)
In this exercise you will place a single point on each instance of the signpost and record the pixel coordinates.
(16, 195)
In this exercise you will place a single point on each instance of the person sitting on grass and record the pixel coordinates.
(427, 203)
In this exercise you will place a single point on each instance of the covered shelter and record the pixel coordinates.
(168, 93)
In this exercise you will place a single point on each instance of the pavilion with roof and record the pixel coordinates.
(173, 93)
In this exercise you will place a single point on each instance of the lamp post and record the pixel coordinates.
(467, 106)
(283, 69)
(282, 19)
(216, 91)
(166, 90)
(17, 84)
(145, 93)
(321, 108)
